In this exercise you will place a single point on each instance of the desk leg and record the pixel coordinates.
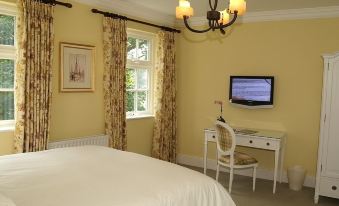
(281, 161)
(276, 164)
(205, 156)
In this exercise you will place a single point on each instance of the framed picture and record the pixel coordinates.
(76, 67)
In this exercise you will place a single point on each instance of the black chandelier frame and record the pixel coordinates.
(213, 18)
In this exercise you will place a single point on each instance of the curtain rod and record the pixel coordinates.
(54, 2)
(117, 16)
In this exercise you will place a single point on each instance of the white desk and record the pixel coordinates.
(262, 139)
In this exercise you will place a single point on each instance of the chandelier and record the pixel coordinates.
(217, 20)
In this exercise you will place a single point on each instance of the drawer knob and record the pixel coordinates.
(268, 144)
(334, 188)
(251, 141)
(213, 136)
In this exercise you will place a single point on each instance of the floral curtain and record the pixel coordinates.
(115, 55)
(165, 137)
(33, 75)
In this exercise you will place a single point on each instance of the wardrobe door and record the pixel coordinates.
(330, 160)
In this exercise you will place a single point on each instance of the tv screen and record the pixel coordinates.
(251, 90)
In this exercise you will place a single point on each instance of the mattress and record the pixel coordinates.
(100, 176)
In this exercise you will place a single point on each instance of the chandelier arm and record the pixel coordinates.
(214, 25)
(222, 31)
(231, 22)
(194, 30)
(210, 23)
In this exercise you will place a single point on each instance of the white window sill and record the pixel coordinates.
(6, 128)
(140, 117)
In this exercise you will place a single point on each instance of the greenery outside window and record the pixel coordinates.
(7, 64)
(139, 74)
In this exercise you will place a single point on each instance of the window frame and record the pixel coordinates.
(8, 52)
(143, 64)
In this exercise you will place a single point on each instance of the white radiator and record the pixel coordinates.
(100, 140)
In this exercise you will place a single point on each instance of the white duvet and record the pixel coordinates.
(99, 176)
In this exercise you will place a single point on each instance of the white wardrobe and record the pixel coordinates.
(327, 180)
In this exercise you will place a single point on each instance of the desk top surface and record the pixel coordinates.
(255, 132)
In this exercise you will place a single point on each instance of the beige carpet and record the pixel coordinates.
(243, 195)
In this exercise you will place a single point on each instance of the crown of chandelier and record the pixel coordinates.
(217, 20)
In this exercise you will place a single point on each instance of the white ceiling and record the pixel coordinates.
(201, 6)
(163, 11)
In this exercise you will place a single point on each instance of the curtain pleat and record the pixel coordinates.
(165, 138)
(115, 55)
(33, 75)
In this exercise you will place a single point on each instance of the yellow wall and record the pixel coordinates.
(81, 114)
(289, 50)
(6, 143)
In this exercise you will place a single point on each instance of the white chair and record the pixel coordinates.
(229, 158)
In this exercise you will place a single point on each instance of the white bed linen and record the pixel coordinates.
(5, 201)
(99, 176)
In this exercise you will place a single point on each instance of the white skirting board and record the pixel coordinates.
(261, 173)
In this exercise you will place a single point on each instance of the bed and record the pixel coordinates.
(101, 176)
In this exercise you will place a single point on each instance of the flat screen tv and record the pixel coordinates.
(252, 91)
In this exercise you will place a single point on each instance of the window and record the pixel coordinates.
(7, 62)
(139, 73)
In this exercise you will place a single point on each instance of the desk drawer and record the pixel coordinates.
(257, 142)
(329, 187)
(211, 136)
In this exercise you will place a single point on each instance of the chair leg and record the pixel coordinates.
(231, 180)
(254, 177)
(218, 168)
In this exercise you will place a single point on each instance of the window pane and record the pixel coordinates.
(131, 48)
(142, 78)
(130, 79)
(6, 73)
(143, 49)
(6, 30)
(130, 101)
(6, 105)
(142, 101)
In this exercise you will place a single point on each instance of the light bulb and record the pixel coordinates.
(184, 9)
(239, 5)
(224, 17)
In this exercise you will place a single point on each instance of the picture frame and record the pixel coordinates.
(76, 67)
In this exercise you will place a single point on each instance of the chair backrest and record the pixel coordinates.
(225, 139)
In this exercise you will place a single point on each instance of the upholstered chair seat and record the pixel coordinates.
(239, 159)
